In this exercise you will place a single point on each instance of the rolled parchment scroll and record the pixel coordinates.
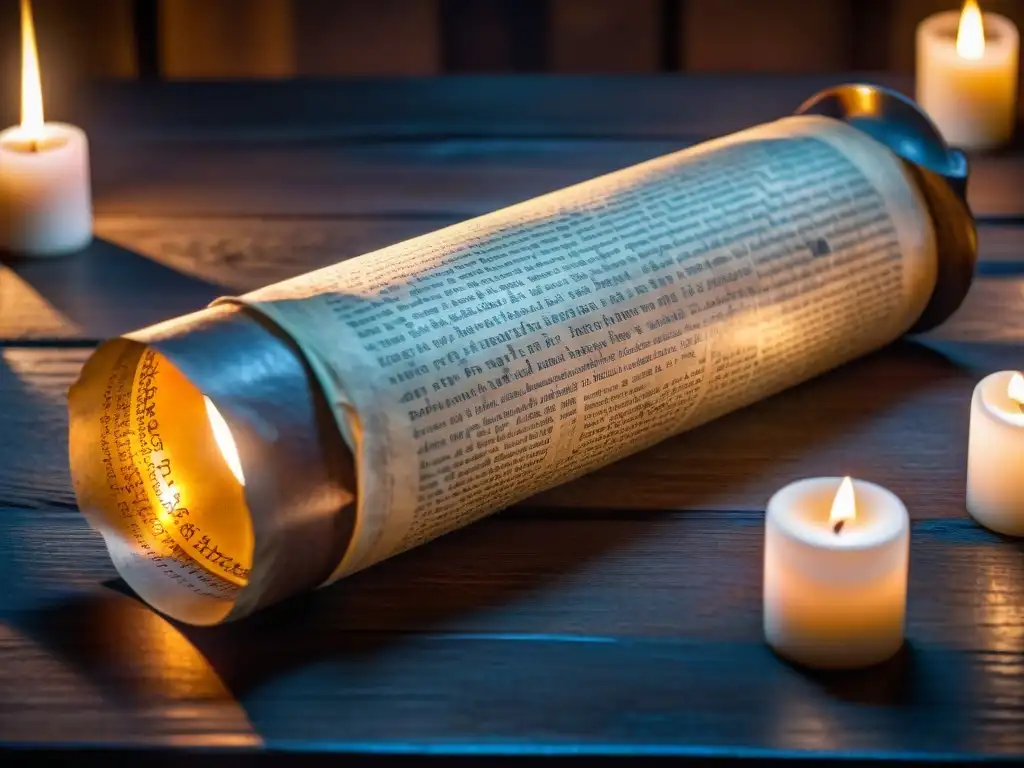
(278, 441)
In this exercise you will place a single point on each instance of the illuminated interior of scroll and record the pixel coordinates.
(193, 476)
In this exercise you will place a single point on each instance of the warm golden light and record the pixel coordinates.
(31, 87)
(225, 440)
(844, 507)
(1016, 389)
(970, 35)
(866, 98)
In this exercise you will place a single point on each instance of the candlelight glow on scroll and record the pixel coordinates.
(225, 440)
(31, 86)
(1015, 389)
(844, 506)
(970, 35)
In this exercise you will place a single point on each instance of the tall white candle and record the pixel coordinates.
(45, 201)
(967, 69)
(835, 572)
(995, 453)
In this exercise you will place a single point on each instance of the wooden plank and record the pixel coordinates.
(756, 37)
(353, 37)
(247, 253)
(244, 254)
(493, 35)
(852, 421)
(904, 16)
(79, 40)
(33, 404)
(1000, 242)
(694, 106)
(441, 178)
(869, 32)
(995, 185)
(594, 640)
(143, 270)
(146, 22)
(604, 36)
(227, 38)
(450, 177)
(686, 575)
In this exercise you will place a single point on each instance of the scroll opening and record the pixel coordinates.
(159, 487)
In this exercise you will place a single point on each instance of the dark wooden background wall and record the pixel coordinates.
(285, 38)
(200, 39)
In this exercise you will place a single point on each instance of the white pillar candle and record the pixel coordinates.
(967, 66)
(45, 201)
(45, 206)
(995, 453)
(835, 573)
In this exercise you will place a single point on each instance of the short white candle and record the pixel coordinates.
(967, 75)
(45, 201)
(995, 453)
(835, 573)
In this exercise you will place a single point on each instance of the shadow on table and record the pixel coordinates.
(472, 581)
(89, 288)
(897, 682)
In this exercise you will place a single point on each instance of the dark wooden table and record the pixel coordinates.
(616, 616)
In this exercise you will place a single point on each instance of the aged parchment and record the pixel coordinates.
(498, 357)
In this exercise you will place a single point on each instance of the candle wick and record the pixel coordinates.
(838, 526)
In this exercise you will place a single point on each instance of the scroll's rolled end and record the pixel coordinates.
(941, 173)
(207, 457)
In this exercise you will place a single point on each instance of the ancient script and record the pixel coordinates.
(474, 366)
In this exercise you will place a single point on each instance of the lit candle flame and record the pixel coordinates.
(31, 87)
(844, 507)
(970, 35)
(1015, 389)
(225, 440)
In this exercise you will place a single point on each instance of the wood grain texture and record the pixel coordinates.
(667, 107)
(450, 177)
(855, 420)
(353, 37)
(494, 35)
(283, 38)
(226, 38)
(80, 40)
(440, 178)
(869, 33)
(752, 36)
(604, 36)
(485, 640)
(615, 574)
(147, 269)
